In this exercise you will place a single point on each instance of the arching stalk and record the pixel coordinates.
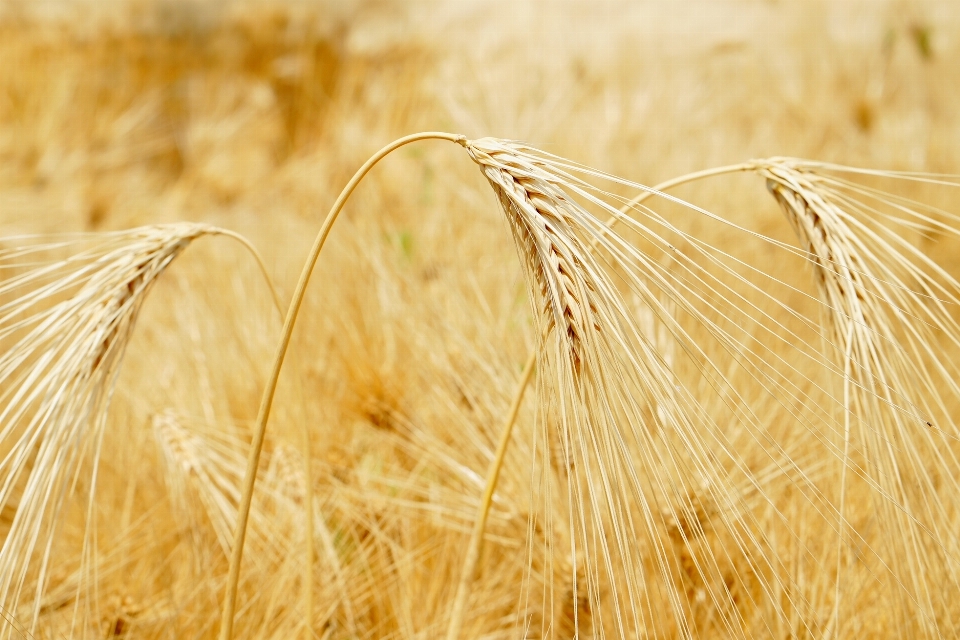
(266, 402)
(274, 295)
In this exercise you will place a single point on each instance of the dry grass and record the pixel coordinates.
(742, 424)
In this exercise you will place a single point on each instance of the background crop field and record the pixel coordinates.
(252, 116)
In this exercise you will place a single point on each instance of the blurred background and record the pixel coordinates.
(254, 114)
(118, 113)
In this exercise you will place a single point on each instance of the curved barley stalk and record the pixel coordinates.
(266, 401)
(64, 326)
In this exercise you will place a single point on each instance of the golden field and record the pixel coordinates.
(753, 437)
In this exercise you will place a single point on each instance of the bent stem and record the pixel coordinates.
(266, 402)
(259, 259)
(308, 530)
(475, 545)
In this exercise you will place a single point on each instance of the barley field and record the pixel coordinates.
(642, 323)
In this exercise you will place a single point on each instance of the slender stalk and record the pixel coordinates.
(263, 267)
(475, 545)
(493, 475)
(308, 532)
(266, 402)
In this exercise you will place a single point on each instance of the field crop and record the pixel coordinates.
(669, 356)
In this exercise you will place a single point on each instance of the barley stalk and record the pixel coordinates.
(230, 597)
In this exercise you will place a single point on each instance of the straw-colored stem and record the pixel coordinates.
(493, 475)
(307, 532)
(263, 267)
(475, 545)
(266, 402)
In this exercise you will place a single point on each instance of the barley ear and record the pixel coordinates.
(886, 313)
(67, 323)
(475, 544)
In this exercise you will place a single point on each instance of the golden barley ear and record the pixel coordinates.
(203, 472)
(543, 225)
(601, 372)
(64, 326)
(206, 470)
(888, 317)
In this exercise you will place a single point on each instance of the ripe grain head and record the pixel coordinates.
(606, 383)
(64, 323)
(886, 312)
(544, 223)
